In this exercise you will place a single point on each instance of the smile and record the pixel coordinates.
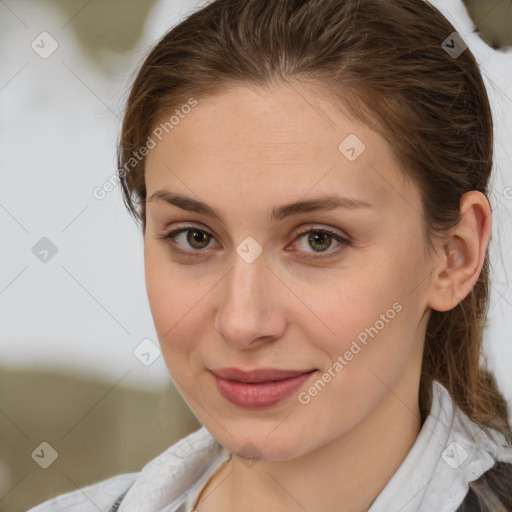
(259, 388)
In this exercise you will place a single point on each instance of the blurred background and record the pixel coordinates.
(80, 367)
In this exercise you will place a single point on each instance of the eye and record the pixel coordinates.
(321, 241)
(198, 239)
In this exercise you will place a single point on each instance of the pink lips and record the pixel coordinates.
(259, 388)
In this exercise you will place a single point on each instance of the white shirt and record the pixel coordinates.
(450, 451)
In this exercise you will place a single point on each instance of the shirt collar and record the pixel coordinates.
(450, 451)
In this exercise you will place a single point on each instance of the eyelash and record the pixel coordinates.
(344, 242)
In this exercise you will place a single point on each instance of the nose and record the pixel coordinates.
(251, 306)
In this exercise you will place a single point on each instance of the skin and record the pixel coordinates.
(244, 152)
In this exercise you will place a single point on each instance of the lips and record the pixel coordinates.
(258, 388)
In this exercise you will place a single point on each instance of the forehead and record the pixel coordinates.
(280, 141)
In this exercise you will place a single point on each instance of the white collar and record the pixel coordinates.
(450, 451)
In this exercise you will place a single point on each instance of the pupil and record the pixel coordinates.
(196, 236)
(315, 236)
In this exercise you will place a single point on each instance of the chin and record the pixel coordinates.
(263, 449)
(256, 442)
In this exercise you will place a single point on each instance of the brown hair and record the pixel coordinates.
(384, 62)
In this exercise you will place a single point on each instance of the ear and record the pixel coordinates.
(462, 253)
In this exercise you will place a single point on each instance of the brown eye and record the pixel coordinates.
(196, 238)
(320, 240)
(189, 239)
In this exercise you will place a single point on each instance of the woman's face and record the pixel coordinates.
(255, 286)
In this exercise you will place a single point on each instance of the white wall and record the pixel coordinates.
(85, 309)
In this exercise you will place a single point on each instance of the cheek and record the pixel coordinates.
(371, 315)
(374, 324)
(174, 299)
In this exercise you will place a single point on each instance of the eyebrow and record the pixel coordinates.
(326, 202)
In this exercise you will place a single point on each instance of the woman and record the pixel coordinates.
(311, 180)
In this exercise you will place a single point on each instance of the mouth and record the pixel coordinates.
(261, 387)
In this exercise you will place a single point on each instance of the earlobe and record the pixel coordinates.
(462, 253)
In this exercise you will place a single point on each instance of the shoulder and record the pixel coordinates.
(499, 481)
(98, 496)
(172, 471)
(492, 491)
